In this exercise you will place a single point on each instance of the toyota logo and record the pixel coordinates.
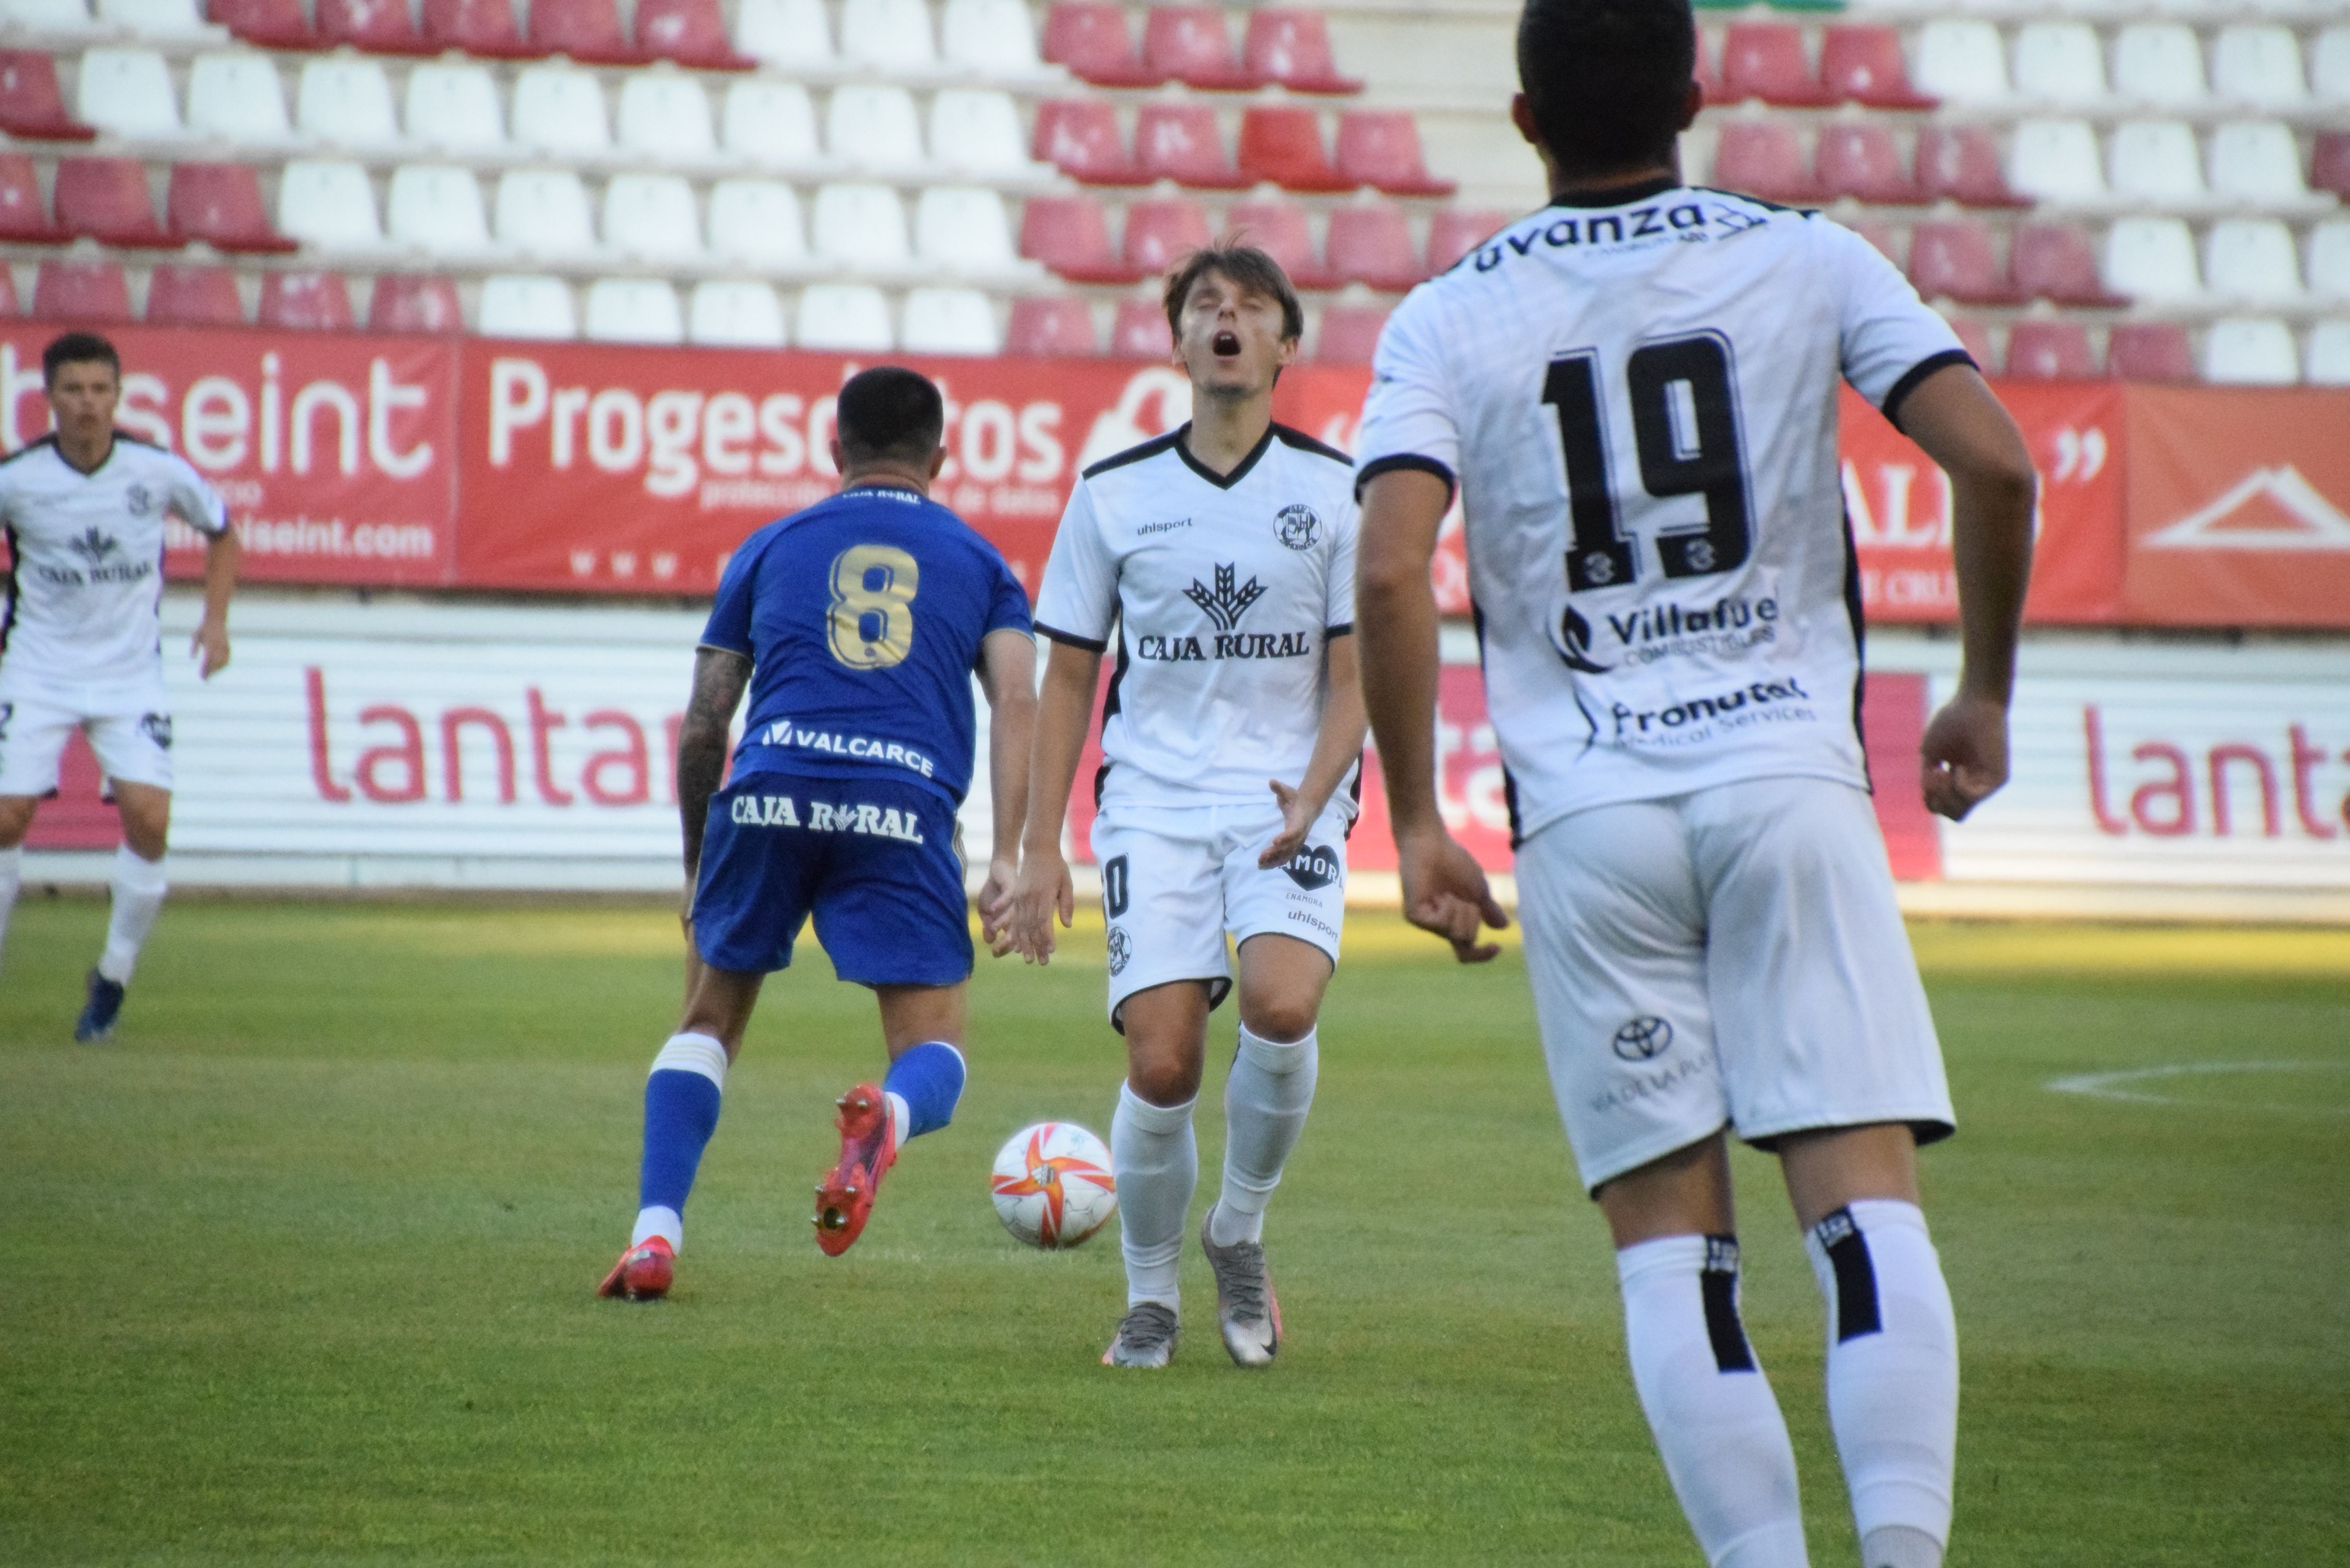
(1642, 1039)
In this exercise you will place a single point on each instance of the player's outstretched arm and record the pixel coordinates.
(1444, 890)
(1043, 890)
(1007, 674)
(222, 554)
(1956, 418)
(1337, 745)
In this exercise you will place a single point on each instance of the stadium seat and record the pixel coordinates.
(1860, 157)
(964, 230)
(374, 27)
(1887, 241)
(1863, 64)
(2329, 67)
(306, 302)
(1290, 46)
(757, 221)
(2152, 259)
(1050, 327)
(651, 217)
(2156, 162)
(1180, 141)
(1190, 44)
(107, 199)
(2329, 164)
(770, 123)
(1764, 158)
(861, 226)
(2258, 66)
(404, 302)
(790, 34)
(264, 24)
(2250, 351)
(1975, 339)
(560, 110)
(161, 19)
(1702, 71)
(1372, 245)
(993, 39)
(1080, 138)
(1961, 61)
(2329, 257)
(845, 318)
(24, 217)
(2149, 351)
(976, 131)
(2329, 355)
(2049, 351)
(665, 115)
(1349, 334)
(482, 27)
(1159, 235)
(690, 32)
(1090, 38)
(2256, 161)
(1069, 235)
(535, 307)
(1958, 261)
(588, 32)
(2060, 62)
(235, 96)
(180, 295)
(1279, 229)
(2058, 262)
(2056, 160)
(86, 291)
(949, 321)
(2252, 260)
(1766, 60)
(221, 204)
(129, 92)
(1961, 163)
(734, 314)
(51, 19)
(1380, 147)
(544, 213)
(2159, 63)
(1282, 143)
(633, 311)
(454, 107)
(874, 129)
(31, 107)
(1140, 331)
(346, 102)
(1454, 231)
(890, 36)
(327, 203)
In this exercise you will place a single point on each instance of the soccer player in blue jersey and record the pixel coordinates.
(857, 625)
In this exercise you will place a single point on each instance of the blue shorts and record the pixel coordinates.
(873, 859)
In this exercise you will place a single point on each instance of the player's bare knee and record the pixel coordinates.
(15, 819)
(1282, 1017)
(1162, 1069)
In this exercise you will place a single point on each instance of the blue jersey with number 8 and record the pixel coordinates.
(862, 617)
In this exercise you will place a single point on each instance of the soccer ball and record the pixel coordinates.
(1052, 1185)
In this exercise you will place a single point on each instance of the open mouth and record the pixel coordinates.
(1227, 345)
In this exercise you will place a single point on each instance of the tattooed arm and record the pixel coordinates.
(719, 677)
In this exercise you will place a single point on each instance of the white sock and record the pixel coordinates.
(1893, 1376)
(1265, 1100)
(12, 878)
(658, 1220)
(137, 889)
(1156, 1159)
(1716, 1426)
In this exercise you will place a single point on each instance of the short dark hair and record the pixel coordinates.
(1606, 79)
(1244, 264)
(889, 414)
(76, 348)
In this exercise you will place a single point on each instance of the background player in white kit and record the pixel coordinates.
(82, 645)
(1221, 557)
(1636, 392)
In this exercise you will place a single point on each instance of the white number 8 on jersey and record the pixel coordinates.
(872, 623)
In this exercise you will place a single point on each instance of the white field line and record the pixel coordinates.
(2110, 1085)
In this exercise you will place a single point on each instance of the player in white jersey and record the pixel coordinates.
(1222, 558)
(80, 643)
(1634, 390)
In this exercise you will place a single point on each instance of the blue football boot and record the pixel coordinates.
(96, 1023)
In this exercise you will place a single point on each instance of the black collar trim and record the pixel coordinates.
(1221, 481)
(1617, 195)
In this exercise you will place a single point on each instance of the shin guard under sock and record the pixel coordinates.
(1156, 1159)
(1265, 1101)
(137, 888)
(681, 1101)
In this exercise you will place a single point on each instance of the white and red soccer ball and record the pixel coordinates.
(1052, 1185)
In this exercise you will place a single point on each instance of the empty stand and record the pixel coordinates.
(107, 199)
(328, 204)
(1349, 334)
(544, 213)
(1140, 331)
(23, 217)
(964, 231)
(2328, 362)
(2250, 351)
(1975, 339)
(2154, 260)
(845, 318)
(560, 110)
(376, 26)
(1191, 44)
(2329, 163)
(771, 122)
(734, 314)
(2149, 351)
(1958, 261)
(633, 311)
(1372, 245)
(2329, 259)
(181, 296)
(526, 306)
(1766, 60)
(482, 27)
(2160, 64)
(454, 107)
(889, 37)
(875, 130)
(756, 221)
(949, 321)
(790, 34)
(665, 116)
(1159, 235)
(653, 218)
(1282, 143)
(588, 31)
(861, 226)
(2259, 66)
(82, 291)
(2252, 260)
(2050, 351)
(1764, 158)
(407, 303)
(129, 92)
(2156, 162)
(1860, 159)
(1069, 235)
(1045, 325)
(1080, 137)
(1380, 147)
(995, 38)
(305, 301)
(1453, 233)
(1291, 46)
(2058, 262)
(977, 131)
(1180, 141)
(1280, 230)
(1865, 65)
(346, 102)
(690, 32)
(1091, 37)
(266, 25)
(2257, 162)
(1961, 163)
(2329, 67)
(32, 109)
(220, 203)
(236, 97)
(2055, 160)
(1961, 60)
(160, 19)
(2061, 63)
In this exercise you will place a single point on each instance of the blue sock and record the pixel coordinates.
(929, 1078)
(682, 1100)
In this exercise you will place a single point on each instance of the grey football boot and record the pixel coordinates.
(1246, 1309)
(1146, 1336)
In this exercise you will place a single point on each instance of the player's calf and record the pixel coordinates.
(684, 1093)
(918, 1095)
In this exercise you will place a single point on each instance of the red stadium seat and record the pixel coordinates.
(1887, 241)
(1372, 245)
(1049, 326)
(1068, 235)
(1189, 43)
(1349, 334)
(2330, 164)
(482, 27)
(1292, 46)
(375, 26)
(1703, 70)
(221, 204)
(1763, 158)
(1454, 231)
(31, 107)
(1380, 146)
(24, 220)
(8, 307)
(181, 296)
(1159, 235)
(2058, 262)
(1089, 37)
(107, 199)
(266, 25)
(588, 31)
(1958, 261)
(82, 291)
(1961, 163)
(690, 32)
(1864, 65)
(305, 301)
(1180, 141)
(1975, 339)
(1080, 137)
(1860, 159)
(1140, 331)
(405, 302)
(1282, 143)
(2049, 351)
(2150, 351)
(1279, 229)
(1765, 60)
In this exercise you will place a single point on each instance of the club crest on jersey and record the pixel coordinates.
(139, 500)
(1298, 526)
(1313, 867)
(1225, 603)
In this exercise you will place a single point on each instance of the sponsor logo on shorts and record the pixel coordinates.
(1314, 867)
(1307, 918)
(1298, 526)
(826, 816)
(1644, 1039)
(1647, 1085)
(1122, 947)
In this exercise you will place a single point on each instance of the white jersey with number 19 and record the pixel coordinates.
(1638, 405)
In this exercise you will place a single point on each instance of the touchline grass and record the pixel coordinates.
(300, 1268)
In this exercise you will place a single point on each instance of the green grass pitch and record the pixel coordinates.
(299, 1271)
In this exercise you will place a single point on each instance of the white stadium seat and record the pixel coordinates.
(2258, 66)
(2250, 351)
(846, 317)
(2329, 67)
(235, 96)
(544, 213)
(160, 19)
(793, 34)
(438, 209)
(860, 226)
(2156, 162)
(1960, 59)
(346, 102)
(736, 314)
(51, 18)
(2060, 62)
(127, 92)
(633, 311)
(977, 131)
(2056, 160)
(560, 110)
(2153, 260)
(455, 106)
(666, 116)
(950, 321)
(995, 38)
(893, 36)
(2252, 259)
(651, 216)
(964, 231)
(328, 205)
(756, 221)
(2159, 63)
(526, 307)
(2258, 161)
(2329, 259)
(874, 129)
(2329, 355)
(772, 123)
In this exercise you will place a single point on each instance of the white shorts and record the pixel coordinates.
(129, 728)
(1732, 956)
(1176, 880)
